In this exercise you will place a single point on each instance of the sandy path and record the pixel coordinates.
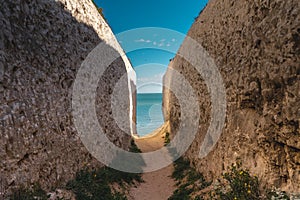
(158, 185)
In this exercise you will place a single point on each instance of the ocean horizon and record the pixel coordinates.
(149, 112)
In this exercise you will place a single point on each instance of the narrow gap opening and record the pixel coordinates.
(151, 60)
(150, 69)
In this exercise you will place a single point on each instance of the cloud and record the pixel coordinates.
(160, 43)
(157, 78)
(143, 40)
(140, 40)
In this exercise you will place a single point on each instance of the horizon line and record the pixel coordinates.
(149, 92)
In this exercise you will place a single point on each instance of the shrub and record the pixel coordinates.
(134, 148)
(242, 185)
(167, 139)
(95, 184)
(277, 195)
(182, 193)
(88, 184)
(180, 167)
(36, 192)
(188, 180)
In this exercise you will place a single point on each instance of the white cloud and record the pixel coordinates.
(162, 40)
(140, 40)
(168, 45)
(154, 43)
(161, 44)
(143, 40)
(173, 40)
(157, 78)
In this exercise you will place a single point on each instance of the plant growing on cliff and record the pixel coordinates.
(242, 185)
(167, 139)
(100, 10)
(277, 195)
(236, 184)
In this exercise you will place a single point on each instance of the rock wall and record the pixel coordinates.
(42, 45)
(256, 46)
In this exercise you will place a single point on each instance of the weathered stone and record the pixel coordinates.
(42, 45)
(255, 45)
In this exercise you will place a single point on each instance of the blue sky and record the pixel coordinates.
(150, 50)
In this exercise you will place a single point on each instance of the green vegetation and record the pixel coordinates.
(36, 192)
(182, 193)
(235, 184)
(167, 139)
(88, 184)
(181, 166)
(188, 180)
(95, 184)
(134, 148)
(277, 195)
(242, 185)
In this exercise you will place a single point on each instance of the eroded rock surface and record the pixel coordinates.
(256, 46)
(42, 45)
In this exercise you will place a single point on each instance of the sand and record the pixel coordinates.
(158, 185)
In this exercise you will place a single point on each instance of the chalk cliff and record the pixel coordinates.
(42, 46)
(256, 46)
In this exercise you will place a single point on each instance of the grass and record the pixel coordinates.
(134, 148)
(188, 180)
(182, 193)
(236, 184)
(88, 184)
(180, 167)
(95, 184)
(36, 192)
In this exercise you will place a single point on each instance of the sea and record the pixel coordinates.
(149, 112)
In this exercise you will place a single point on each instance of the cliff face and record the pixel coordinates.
(42, 45)
(256, 46)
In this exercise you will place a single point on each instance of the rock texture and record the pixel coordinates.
(42, 45)
(256, 46)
